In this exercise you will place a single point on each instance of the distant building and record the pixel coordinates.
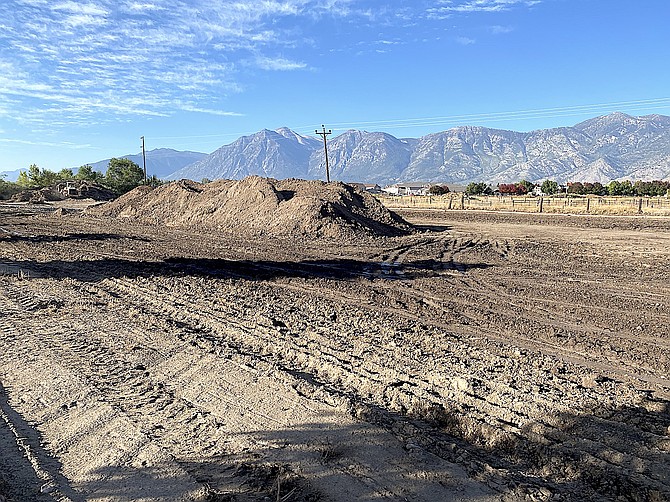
(368, 187)
(419, 188)
(453, 187)
(415, 188)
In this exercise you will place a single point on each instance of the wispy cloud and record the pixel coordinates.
(278, 64)
(73, 146)
(72, 61)
(465, 41)
(501, 30)
(220, 113)
(445, 8)
(95, 61)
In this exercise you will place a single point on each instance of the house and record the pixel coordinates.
(414, 188)
(372, 187)
(367, 187)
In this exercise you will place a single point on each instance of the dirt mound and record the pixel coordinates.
(260, 206)
(75, 189)
(37, 196)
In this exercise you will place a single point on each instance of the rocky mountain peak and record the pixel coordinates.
(616, 146)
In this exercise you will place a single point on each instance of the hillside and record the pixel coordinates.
(615, 146)
(160, 162)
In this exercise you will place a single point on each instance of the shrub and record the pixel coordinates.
(438, 189)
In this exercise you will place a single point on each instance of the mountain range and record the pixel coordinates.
(611, 147)
(161, 162)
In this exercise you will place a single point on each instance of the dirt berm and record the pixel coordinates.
(260, 206)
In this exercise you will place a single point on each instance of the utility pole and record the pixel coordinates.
(144, 160)
(325, 147)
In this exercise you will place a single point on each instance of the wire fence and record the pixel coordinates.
(555, 204)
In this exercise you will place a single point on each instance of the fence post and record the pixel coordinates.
(462, 201)
(451, 198)
(639, 206)
(588, 204)
(541, 203)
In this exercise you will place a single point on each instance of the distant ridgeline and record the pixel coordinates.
(612, 147)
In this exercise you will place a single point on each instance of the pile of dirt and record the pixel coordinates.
(260, 206)
(37, 195)
(76, 189)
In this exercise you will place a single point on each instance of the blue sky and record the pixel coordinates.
(81, 81)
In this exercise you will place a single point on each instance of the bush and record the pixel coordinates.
(438, 190)
(513, 188)
(478, 189)
(7, 189)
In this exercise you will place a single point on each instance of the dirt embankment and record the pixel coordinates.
(260, 206)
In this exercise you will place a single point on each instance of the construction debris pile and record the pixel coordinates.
(75, 189)
(260, 206)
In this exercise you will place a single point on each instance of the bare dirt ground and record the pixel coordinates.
(486, 357)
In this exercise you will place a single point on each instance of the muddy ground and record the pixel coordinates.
(486, 357)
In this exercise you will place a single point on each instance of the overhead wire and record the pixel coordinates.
(464, 119)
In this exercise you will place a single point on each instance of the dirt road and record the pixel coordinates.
(486, 357)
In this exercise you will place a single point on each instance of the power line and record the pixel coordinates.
(527, 114)
(506, 115)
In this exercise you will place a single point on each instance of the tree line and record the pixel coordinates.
(549, 187)
(122, 175)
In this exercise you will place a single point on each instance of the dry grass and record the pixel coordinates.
(656, 206)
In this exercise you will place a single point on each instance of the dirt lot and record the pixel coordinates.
(486, 357)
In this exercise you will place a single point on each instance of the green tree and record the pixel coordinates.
(7, 188)
(23, 180)
(595, 188)
(478, 189)
(65, 174)
(627, 188)
(651, 188)
(549, 187)
(529, 186)
(620, 188)
(34, 176)
(154, 181)
(39, 178)
(123, 175)
(87, 173)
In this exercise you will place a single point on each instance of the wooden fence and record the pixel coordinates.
(556, 204)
